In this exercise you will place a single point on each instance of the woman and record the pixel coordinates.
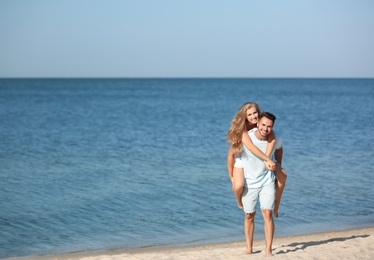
(244, 120)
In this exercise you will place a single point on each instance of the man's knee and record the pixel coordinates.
(250, 215)
(267, 214)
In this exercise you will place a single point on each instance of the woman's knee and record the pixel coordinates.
(281, 175)
(237, 187)
(284, 175)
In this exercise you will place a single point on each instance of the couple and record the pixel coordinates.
(250, 165)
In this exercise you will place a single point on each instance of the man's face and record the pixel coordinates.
(265, 125)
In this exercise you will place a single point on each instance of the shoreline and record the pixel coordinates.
(355, 243)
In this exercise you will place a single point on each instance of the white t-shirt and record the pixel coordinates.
(238, 157)
(255, 173)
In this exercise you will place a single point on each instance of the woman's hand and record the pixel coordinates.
(270, 165)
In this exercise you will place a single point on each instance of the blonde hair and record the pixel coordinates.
(239, 124)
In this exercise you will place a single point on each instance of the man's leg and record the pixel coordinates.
(250, 198)
(249, 227)
(267, 197)
(268, 230)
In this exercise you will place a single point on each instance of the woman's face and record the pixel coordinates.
(252, 115)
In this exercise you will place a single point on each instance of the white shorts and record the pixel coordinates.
(238, 161)
(251, 196)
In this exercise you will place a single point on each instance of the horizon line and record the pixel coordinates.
(187, 77)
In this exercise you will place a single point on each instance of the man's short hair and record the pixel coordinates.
(267, 115)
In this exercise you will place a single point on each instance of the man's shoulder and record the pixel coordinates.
(278, 141)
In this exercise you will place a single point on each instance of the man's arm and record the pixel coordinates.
(271, 143)
(279, 155)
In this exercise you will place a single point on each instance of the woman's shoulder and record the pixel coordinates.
(254, 129)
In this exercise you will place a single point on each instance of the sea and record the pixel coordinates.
(93, 165)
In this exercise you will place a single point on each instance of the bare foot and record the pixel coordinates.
(247, 252)
(269, 255)
(276, 208)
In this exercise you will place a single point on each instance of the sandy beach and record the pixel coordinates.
(347, 244)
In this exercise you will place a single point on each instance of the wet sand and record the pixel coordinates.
(346, 244)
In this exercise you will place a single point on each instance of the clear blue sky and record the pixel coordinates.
(187, 38)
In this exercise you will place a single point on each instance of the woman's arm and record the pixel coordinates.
(246, 140)
(230, 162)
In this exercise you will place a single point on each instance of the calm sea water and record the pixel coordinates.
(98, 164)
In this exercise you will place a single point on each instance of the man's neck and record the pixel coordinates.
(259, 136)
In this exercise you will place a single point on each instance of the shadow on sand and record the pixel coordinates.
(303, 245)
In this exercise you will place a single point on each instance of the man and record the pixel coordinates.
(259, 184)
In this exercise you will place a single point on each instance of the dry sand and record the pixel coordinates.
(347, 244)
